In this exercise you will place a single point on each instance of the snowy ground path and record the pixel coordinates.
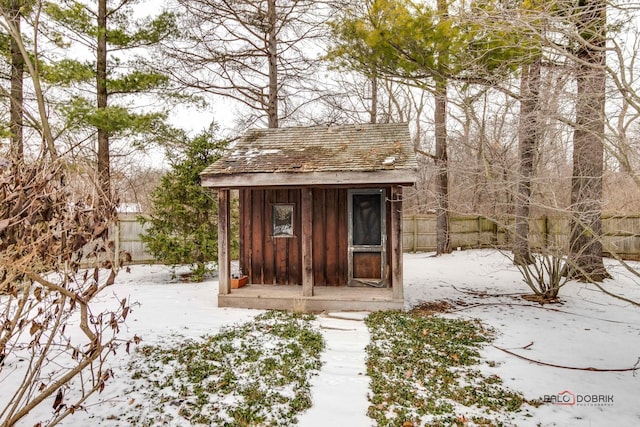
(343, 369)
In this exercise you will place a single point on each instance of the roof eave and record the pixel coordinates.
(298, 179)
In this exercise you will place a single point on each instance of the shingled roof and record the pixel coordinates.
(349, 154)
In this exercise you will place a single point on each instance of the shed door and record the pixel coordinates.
(367, 238)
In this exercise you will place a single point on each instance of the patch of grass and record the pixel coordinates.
(256, 373)
(424, 372)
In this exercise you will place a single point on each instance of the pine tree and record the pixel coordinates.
(104, 92)
(17, 76)
(182, 228)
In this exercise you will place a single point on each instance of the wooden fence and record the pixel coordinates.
(621, 234)
(127, 237)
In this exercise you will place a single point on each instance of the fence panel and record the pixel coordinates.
(621, 234)
(128, 235)
(466, 232)
(422, 232)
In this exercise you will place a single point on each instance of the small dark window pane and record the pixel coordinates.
(282, 220)
(367, 216)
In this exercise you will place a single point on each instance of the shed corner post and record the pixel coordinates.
(224, 260)
(396, 243)
(307, 242)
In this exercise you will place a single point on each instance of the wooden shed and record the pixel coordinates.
(320, 216)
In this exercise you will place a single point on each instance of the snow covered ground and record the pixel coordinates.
(587, 330)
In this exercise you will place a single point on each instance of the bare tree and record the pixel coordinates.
(104, 163)
(30, 64)
(623, 123)
(258, 53)
(528, 137)
(42, 237)
(588, 143)
(443, 240)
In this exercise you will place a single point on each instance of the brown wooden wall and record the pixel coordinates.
(269, 260)
(330, 237)
(265, 259)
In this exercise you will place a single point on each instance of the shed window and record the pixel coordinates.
(282, 220)
(367, 219)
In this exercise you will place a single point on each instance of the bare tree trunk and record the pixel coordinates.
(373, 113)
(31, 66)
(443, 241)
(588, 139)
(273, 65)
(17, 76)
(529, 137)
(104, 174)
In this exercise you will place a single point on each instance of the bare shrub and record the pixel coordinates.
(53, 340)
(545, 274)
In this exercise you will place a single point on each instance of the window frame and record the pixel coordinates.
(290, 207)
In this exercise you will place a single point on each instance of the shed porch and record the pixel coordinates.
(325, 298)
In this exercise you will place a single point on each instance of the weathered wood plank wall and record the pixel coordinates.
(128, 232)
(264, 258)
(267, 259)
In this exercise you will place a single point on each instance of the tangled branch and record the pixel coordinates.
(55, 257)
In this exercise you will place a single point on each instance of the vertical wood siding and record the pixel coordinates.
(330, 231)
(269, 260)
(264, 258)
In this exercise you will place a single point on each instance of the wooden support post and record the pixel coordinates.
(396, 242)
(224, 227)
(545, 232)
(415, 234)
(116, 253)
(242, 238)
(307, 242)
